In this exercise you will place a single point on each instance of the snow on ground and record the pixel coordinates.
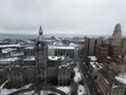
(64, 89)
(81, 90)
(78, 75)
(6, 91)
(8, 59)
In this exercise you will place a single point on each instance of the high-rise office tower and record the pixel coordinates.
(116, 36)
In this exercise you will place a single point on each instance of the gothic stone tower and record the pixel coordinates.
(41, 56)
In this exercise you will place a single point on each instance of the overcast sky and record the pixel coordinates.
(62, 16)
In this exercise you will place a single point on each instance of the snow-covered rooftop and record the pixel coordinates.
(30, 58)
(121, 78)
(10, 45)
(7, 50)
(29, 47)
(93, 65)
(65, 89)
(9, 59)
(62, 47)
(96, 65)
(93, 58)
(55, 58)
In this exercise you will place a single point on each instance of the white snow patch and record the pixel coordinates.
(81, 90)
(64, 89)
(78, 75)
(121, 78)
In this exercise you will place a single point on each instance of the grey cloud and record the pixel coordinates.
(62, 16)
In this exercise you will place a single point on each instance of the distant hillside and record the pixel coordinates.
(16, 36)
(30, 36)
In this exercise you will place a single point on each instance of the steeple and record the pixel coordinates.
(40, 31)
(41, 37)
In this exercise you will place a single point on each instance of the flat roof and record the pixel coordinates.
(10, 45)
(30, 58)
(61, 47)
(93, 58)
(9, 59)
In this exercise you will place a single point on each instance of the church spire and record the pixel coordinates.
(40, 31)
(40, 37)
